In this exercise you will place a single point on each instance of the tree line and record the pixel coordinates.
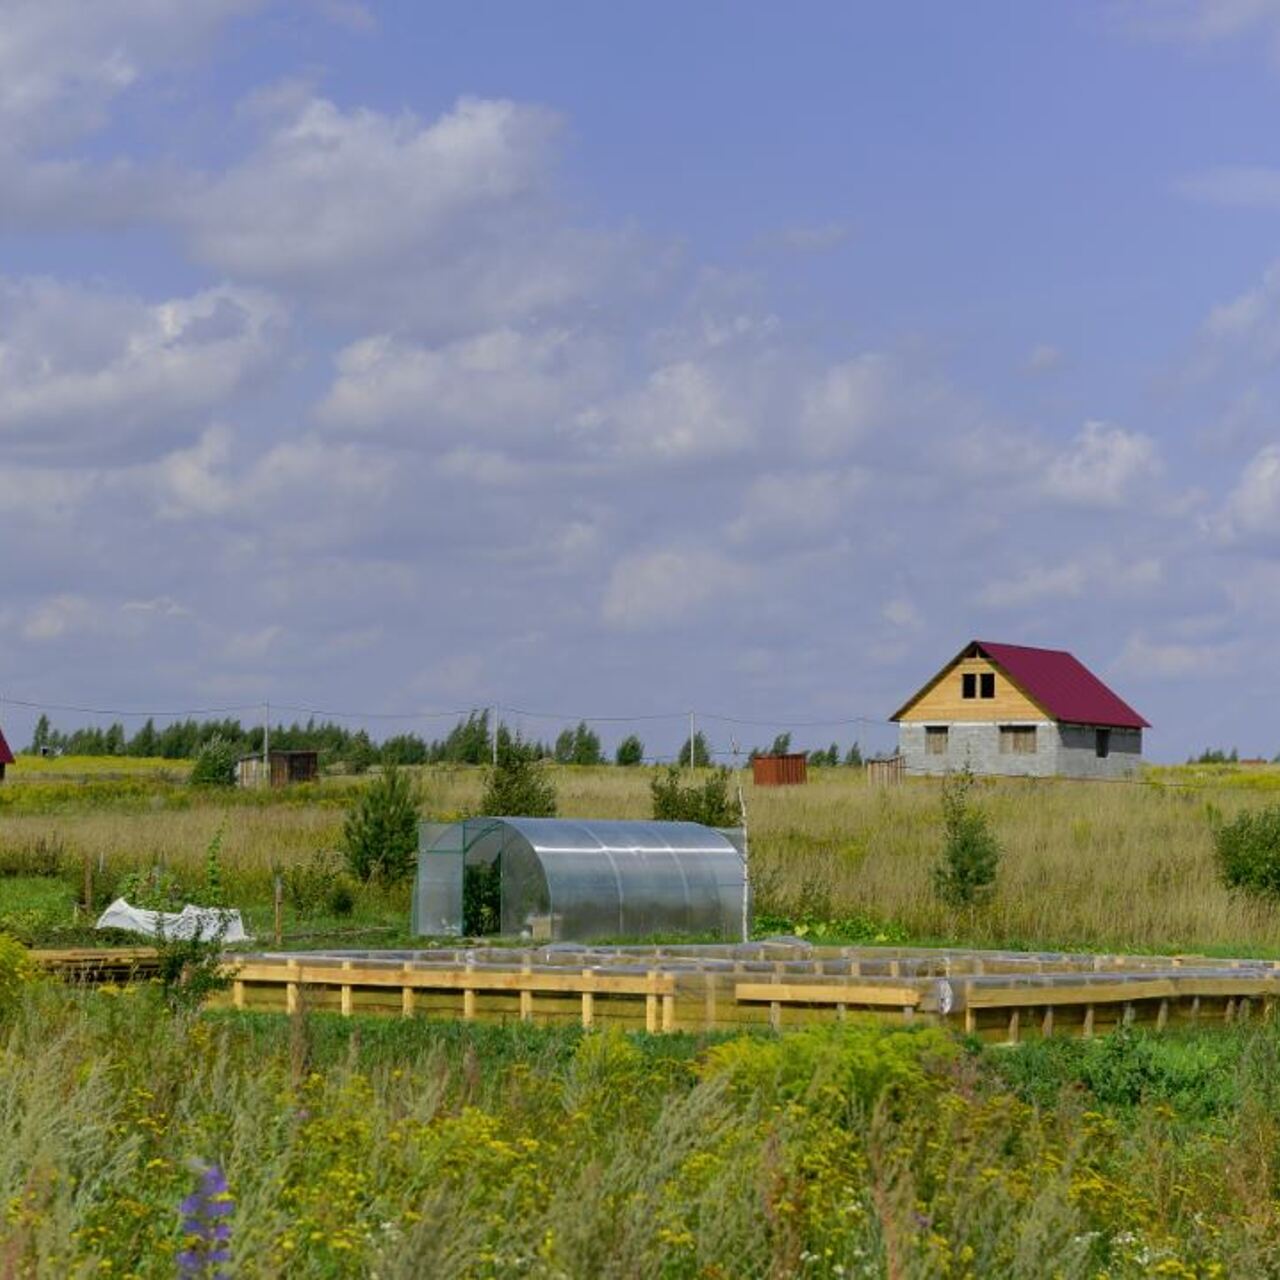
(469, 741)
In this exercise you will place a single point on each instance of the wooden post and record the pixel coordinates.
(651, 1004)
(1088, 1022)
(588, 1001)
(1162, 1015)
(710, 1010)
(237, 994)
(279, 907)
(1014, 1025)
(526, 994)
(469, 996)
(669, 1012)
(1046, 1023)
(346, 992)
(775, 1008)
(88, 885)
(406, 993)
(291, 988)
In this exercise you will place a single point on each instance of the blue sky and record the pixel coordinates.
(619, 359)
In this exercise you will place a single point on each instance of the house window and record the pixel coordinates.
(935, 740)
(1017, 740)
(988, 684)
(969, 685)
(1102, 743)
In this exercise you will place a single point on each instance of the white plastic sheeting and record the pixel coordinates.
(191, 922)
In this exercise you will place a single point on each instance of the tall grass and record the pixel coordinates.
(354, 1148)
(1091, 865)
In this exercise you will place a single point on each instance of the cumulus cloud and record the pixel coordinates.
(1098, 574)
(62, 62)
(788, 507)
(1243, 186)
(1252, 509)
(1247, 325)
(89, 374)
(1103, 467)
(500, 381)
(665, 590)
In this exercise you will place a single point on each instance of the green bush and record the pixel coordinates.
(517, 786)
(381, 829)
(153, 889)
(966, 872)
(215, 765)
(16, 972)
(708, 802)
(630, 751)
(320, 885)
(1248, 851)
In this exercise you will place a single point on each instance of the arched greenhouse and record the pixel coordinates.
(579, 879)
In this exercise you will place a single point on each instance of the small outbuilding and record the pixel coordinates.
(1017, 710)
(285, 767)
(788, 770)
(6, 756)
(579, 879)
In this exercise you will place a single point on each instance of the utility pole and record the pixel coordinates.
(693, 758)
(746, 852)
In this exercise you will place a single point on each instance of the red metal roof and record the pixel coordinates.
(6, 756)
(1062, 685)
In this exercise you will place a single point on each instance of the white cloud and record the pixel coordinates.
(1098, 575)
(62, 62)
(59, 615)
(784, 507)
(684, 411)
(500, 381)
(1247, 325)
(846, 403)
(902, 613)
(665, 590)
(817, 238)
(91, 374)
(1103, 467)
(1171, 659)
(1252, 509)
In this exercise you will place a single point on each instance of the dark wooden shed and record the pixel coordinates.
(780, 771)
(6, 756)
(287, 767)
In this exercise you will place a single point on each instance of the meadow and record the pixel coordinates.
(139, 1139)
(1093, 866)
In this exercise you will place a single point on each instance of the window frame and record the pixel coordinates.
(968, 685)
(1014, 737)
(987, 684)
(937, 737)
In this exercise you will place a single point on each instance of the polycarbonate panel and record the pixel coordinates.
(437, 897)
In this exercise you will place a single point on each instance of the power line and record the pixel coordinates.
(117, 711)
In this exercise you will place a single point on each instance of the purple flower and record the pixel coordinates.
(206, 1226)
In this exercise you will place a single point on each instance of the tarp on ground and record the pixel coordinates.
(191, 922)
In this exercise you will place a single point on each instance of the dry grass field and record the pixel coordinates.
(1090, 865)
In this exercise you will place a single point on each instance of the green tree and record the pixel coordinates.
(586, 745)
(143, 743)
(41, 738)
(517, 786)
(360, 753)
(701, 752)
(965, 875)
(1247, 850)
(380, 833)
(854, 756)
(781, 745)
(630, 751)
(215, 765)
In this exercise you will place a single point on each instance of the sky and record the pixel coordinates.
(615, 361)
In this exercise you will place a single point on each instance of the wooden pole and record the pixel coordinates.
(279, 906)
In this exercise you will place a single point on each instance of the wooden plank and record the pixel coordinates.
(461, 980)
(824, 993)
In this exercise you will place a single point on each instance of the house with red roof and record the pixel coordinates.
(6, 756)
(1013, 709)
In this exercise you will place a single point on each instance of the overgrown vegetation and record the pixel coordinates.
(1248, 851)
(965, 874)
(215, 764)
(708, 801)
(518, 786)
(402, 1148)
(380, 834)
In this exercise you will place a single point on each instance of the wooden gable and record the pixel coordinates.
(942, 700)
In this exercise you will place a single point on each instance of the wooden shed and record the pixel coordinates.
(6, 756)
(287, 767)
(780, 771)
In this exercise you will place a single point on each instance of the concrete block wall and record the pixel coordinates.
(1061, 751)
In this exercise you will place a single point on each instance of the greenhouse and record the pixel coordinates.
(563, 878)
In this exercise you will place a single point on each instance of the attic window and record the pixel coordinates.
(988, 684)
(969, 685)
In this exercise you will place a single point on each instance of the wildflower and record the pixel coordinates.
(205, 1227)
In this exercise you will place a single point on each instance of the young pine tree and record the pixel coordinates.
(965, 875)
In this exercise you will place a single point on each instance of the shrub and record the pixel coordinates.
(215, 765)
(153, 889)
(966, 873)
(630, 751)
(1248, 851)
(708, 802)
(381, 829)
(320, 885)
(16, 972)
(517, 786)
